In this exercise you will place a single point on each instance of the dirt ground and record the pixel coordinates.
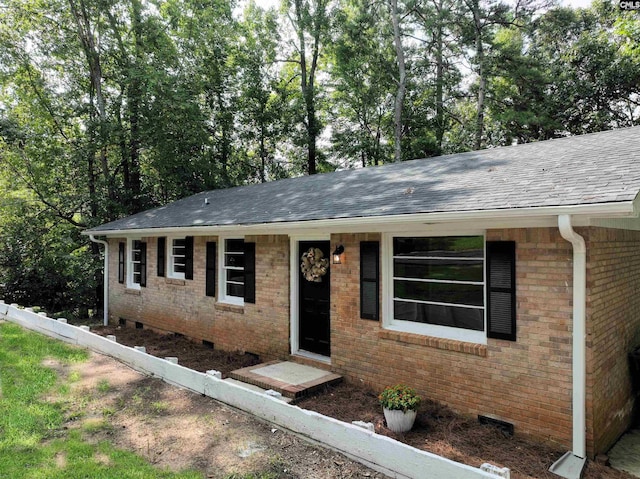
(177, 429)
(437, 428)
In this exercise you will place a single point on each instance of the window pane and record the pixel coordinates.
(179, 243)
(235, 290)
(464, 318)
(446, 246)
(452, 269)
(468, 294)
(178, 268)
(135, 250)
(235, 275)
(236, 260)
(234, 245)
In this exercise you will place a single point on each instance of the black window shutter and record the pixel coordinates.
(143, 264)
(121, 262)
(162, 251)
(501, 290)
(210, 280)
(250, 272)
(369, 280)
(188, 252)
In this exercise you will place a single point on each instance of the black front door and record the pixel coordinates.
(314, 291)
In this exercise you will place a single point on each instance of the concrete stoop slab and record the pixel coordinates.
(292, 380)
(625, 455)
(251, 387)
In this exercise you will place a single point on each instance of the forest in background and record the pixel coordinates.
(109, 107)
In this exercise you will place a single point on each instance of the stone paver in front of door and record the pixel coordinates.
(290, 379)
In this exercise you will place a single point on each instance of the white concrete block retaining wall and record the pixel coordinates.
(379, 452)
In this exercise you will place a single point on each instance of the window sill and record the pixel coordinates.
(431, 342)
(133, 291)
(232, 308)
(175, 281)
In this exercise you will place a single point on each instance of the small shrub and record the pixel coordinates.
(400, 398)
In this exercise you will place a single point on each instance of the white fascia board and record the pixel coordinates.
(582, 215)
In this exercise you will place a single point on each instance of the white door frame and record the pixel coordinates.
(294, 299)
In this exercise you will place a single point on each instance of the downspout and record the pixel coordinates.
(577, 457)
(105, 302)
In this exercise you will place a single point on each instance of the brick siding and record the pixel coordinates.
(613, 330)
(181, 306)
(526, 382)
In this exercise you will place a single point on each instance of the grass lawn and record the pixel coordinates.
(33, 442)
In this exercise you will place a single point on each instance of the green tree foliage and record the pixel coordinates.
(43, 261)
(262, 100)
(362, 62)
(108, 107)
(309, 22)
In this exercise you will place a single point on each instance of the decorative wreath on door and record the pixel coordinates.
(313, 265)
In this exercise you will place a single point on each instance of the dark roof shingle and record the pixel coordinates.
(595, 168)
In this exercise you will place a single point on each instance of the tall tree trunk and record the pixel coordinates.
(482, 81)
(440, 127)
(134, 100)
(263, 156)
(97, 102)
(97, 109)
(402, 81)
(308, 74)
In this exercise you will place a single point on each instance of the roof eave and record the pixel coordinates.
(531, 215)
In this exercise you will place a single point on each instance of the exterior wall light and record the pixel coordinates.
(337, 254)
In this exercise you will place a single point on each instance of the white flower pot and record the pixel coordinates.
(399, 421)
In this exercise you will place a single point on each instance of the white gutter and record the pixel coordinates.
(105, 302)
(571, 464)
(608, 210)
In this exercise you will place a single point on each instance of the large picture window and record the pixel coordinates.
(439, 281)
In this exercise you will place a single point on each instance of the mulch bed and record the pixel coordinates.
(189, 353)
(437, 429)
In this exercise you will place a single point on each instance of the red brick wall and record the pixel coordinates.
(181, 305)
(613, 330)
(526, 382)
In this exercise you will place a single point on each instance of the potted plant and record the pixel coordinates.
(400, 405)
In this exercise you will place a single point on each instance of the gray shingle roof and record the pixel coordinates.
(595, 168)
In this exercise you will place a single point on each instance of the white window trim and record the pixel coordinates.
(222, 273)
(434, 330)
(129, 264)
(169, 255)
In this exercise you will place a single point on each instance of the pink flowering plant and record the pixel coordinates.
(400, 398)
